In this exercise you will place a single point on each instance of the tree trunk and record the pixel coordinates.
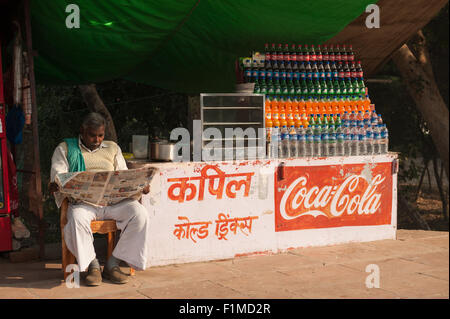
(95, 104)
(429, 102)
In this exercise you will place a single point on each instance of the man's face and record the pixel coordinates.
(92, 137)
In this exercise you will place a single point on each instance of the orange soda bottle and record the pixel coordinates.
(367, 103)
(275, 115)
(301, 102)
(268, 116)
(268, 102)
(282, 112)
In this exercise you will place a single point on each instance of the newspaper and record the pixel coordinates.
(103, 188)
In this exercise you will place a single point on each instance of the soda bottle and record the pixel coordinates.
(359, 70)
(359, 117)
(247, 74)
(337, 54)
(255, 72)
(280, 54)
(362, 150)
(384, 139)
(267, 56)
(319, 56)
(275, 113)
(369, 139)
(301, 141)
(275, 142)
(334, 71)
(318, 120)
(300, 56)
(268, 112)
(367, 119)
(331, 56)
(317, 141)
(347, 71)
(343, 53)
(331, 121)
(380, 120)
(340, 140)
(354, 139)
(309, 151)
(350, 54)
(286, 53)
(353, 73)
(324, 137)
(374, 119)
(331, 141)
(306, 56)
(293, 143)
(338, 120)
(345, 118)
(376, 139)
(312, 54)
(284, 142)
(325, 56)
(293, 53)
(347, 138)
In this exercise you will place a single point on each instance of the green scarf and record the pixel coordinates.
(74, 156)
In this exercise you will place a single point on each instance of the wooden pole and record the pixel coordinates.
(35, 131)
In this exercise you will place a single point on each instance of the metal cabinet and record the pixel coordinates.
(232, 126)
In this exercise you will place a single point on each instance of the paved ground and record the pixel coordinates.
(416, 265)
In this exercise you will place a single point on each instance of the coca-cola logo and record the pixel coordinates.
(333, 196)
(300, 200)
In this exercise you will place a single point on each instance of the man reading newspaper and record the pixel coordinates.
(90, 152)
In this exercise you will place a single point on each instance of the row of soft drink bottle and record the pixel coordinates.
(355, 134)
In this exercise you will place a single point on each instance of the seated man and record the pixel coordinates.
(89, 152)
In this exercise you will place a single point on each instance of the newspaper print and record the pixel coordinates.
(104, 188)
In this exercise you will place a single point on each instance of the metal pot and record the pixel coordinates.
(162, 151)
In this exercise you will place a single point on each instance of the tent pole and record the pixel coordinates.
(35, 132)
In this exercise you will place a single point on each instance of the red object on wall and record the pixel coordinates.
(311, 197)
(5, 221)
(5, 233)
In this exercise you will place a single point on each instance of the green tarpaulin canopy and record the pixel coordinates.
(186, 46)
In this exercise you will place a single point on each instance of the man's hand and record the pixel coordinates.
(52, 188)
(146, 189)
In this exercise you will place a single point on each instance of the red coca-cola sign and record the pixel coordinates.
(310, 197)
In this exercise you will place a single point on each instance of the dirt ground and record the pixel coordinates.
(429, 205)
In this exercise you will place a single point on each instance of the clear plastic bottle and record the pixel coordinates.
(275, 140)
(301, 141)
(340, 140)
(324, 140)
(284, 149)
(352, 117)
(317, 141)
(354, 139)
(360, 116)
(369, 139)
(384, 139)
(376, 139)
(309, 152)
(367, 119)
(361, 139)
(346, 130)
(331, 141)
(345, 118)
(374, 119)
(293, 145)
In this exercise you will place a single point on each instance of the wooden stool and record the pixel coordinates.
(97, 226)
